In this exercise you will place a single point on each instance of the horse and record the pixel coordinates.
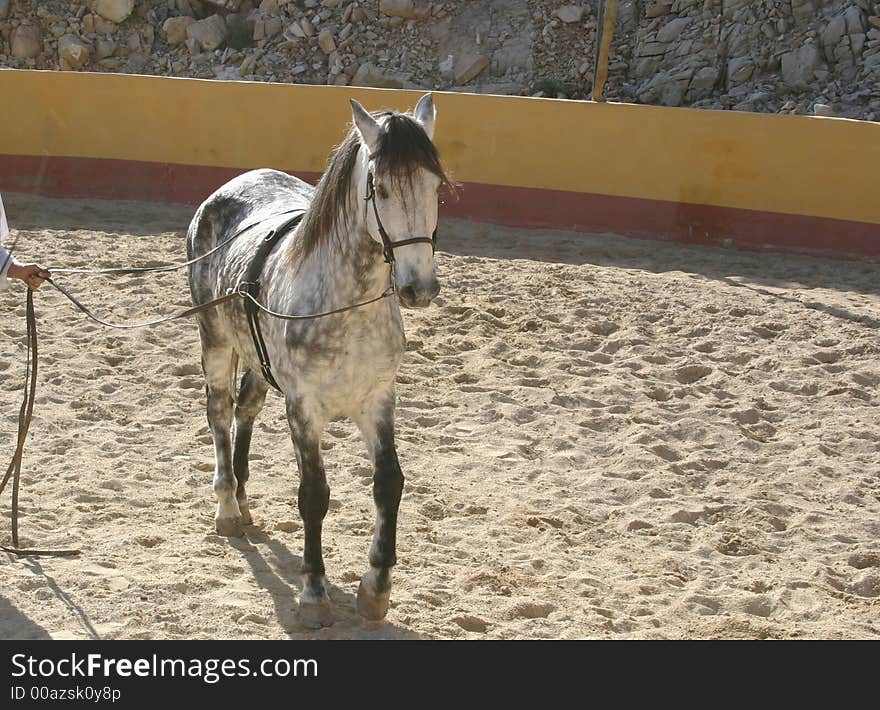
(363, 248)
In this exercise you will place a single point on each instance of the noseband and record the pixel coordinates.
(388, 245)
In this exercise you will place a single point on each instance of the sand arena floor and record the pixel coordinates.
(602, 438)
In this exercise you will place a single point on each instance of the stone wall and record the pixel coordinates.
(792, 56)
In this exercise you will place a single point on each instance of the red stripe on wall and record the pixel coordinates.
(668, 221)
(513, 206)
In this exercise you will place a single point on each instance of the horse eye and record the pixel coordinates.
(383, 192)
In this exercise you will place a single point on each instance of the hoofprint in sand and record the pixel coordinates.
(602, 438)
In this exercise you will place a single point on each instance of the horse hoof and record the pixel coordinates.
(372, 604)
(229, 527)
(246, 518)
(315, 615)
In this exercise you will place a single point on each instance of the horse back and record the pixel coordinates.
(248, 199)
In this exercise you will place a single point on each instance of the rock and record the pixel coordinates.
(247, 66)
(26, 42)
(658, 9)
(730, 7)
(570, 13)
(672, 29)
(702, 84)
(73, 53)
(240, 33)
(103, 25)
(296, 30)
(802, 11)
(798, 66)
(369, 75)
(175, 29)
(114, 10)
(104, 47)
(854, 20)
(209, 33)
(823, 110)
(739, 70)
(4, 9)
(468, 66)
(326, 41)
(472, 623)
(832, 34)
(514, 54)
(272, 27)
(398, 8)
(231, 5)
(675, 88)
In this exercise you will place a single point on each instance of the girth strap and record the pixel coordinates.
(251, 286)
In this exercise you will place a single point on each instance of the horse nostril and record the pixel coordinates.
(408, 293)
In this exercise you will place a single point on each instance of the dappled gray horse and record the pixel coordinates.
(367, 225)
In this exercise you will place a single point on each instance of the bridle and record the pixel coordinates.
(388, 246)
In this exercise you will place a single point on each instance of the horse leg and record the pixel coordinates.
(313, 499)
(218, 364)
(251, 398)
(374, 591)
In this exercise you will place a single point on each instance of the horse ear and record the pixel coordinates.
(367, 126)
(426, 113)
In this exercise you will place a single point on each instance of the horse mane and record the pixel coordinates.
(403, 147)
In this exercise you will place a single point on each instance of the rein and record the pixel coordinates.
(24, 422)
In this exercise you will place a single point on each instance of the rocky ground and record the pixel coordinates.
(791, 56)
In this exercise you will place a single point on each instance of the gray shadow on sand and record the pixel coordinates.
(277, 570)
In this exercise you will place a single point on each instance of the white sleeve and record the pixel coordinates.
(6, 259)
(5, 263)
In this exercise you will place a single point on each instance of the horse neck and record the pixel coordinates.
(349, 264)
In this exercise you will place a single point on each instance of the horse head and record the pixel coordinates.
(400, 178)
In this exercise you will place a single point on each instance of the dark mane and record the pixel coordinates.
(403, 147)
(332, 198)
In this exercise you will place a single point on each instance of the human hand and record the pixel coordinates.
(32, 274)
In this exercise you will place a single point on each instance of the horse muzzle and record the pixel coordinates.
(418, 294)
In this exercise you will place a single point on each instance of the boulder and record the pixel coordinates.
(803, 11)
(73, 53)
(231, 5)
(26, 42)
(468, 66)
(832, 34)
(104, 47)
(369, 75)
(672, 29)
(296, 30)
(326, 41)
(240, 32)
(114, 10)
(739, 70)
(175, 29)
(398, 8)
(570, 13)
(658, 9)
(798, 66)
(210, 33)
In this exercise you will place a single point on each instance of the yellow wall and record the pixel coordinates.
(789, 164)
